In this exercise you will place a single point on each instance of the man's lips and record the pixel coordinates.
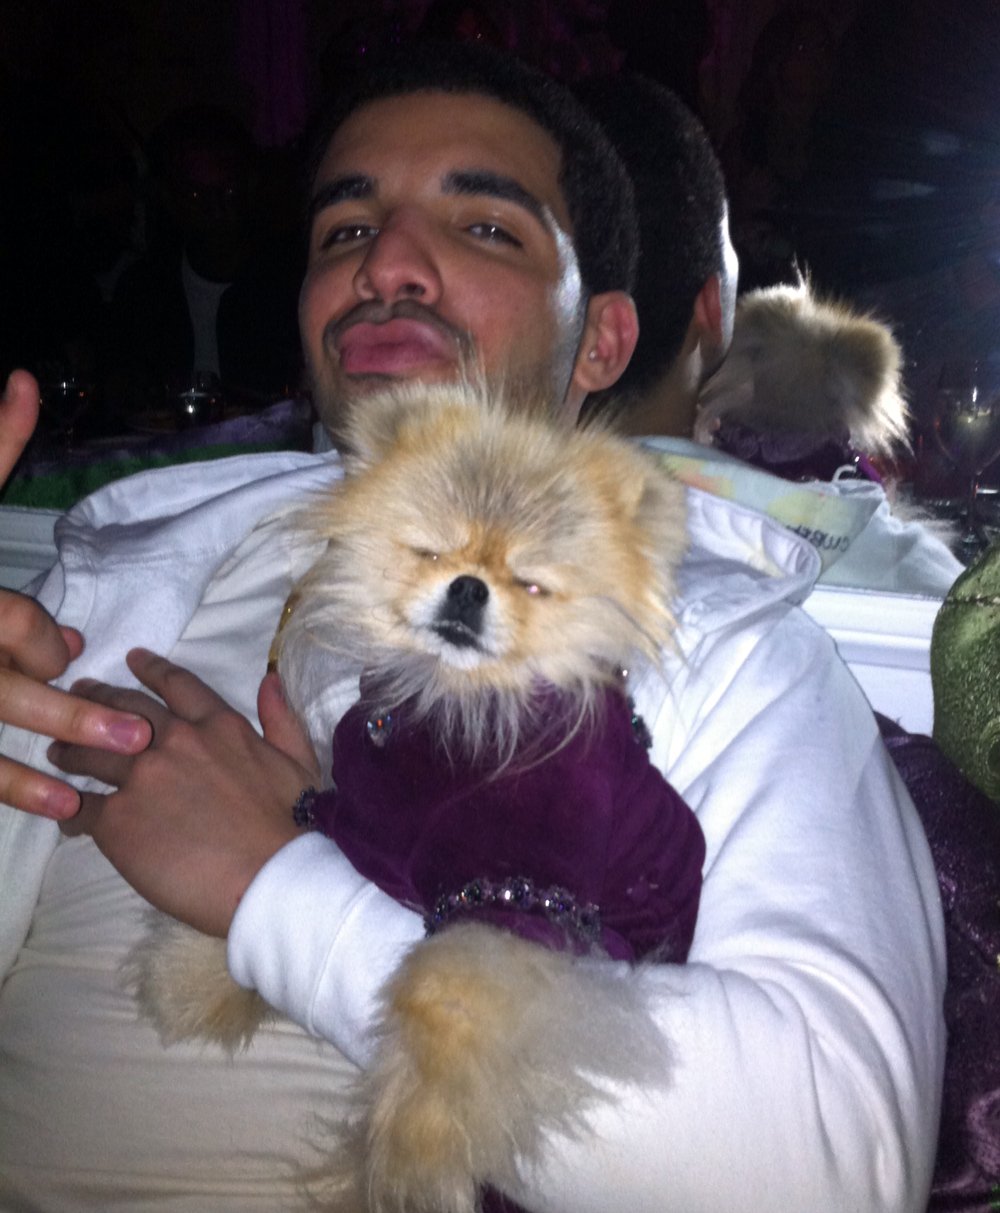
(393, 348)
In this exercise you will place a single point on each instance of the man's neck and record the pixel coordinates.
(667, 406)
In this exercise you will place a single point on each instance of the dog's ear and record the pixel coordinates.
(373, 426)
(654, 503)
(661, 513)
(387, 420)
(653, 538)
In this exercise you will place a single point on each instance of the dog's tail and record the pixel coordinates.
(488, 1043)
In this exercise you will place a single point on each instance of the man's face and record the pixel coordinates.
(440, 238)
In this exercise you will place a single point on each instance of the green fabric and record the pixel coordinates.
(965, 672)
(62, 489)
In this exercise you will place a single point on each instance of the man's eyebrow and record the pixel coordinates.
(496, 185)
(340, 189)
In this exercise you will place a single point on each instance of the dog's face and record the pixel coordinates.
(502, 548)
(502, 574)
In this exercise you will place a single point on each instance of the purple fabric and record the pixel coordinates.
(595, 817)
(963, 829)
(792, 456)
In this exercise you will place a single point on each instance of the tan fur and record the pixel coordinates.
(799, 363)
(444, 482)
(482, 1051)
(183, 987)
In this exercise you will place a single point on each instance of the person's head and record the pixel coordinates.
(466, 216)
(685, 290)
(204, 163)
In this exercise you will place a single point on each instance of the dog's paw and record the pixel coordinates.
(182, 985)
(483, 1053)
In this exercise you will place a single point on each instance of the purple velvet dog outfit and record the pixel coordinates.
(586, 844)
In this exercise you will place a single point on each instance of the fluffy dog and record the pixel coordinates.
(801, 364)
(487, 578)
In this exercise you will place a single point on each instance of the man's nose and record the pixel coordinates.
(400, 263)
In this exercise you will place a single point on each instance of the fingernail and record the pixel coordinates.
(60, 801)
(124, 732)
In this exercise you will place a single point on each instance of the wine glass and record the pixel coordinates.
(63, 401)
(967, 426)
(196, 401)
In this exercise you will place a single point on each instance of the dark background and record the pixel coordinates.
(859, 137)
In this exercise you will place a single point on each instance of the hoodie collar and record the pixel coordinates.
(739, 562)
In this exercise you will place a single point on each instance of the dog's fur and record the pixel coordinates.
(576, 533)
(481, 1049)
(802, 364)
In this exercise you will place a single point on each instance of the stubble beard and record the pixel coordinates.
(539, 390)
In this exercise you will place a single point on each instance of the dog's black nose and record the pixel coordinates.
(460, 619)
(468, 593)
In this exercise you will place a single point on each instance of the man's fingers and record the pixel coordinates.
(36, 793)
(112, 769)
(73, 641)
(83, 822)
(18, 417)
(67, 717)
(121, 699)
(183, 692)
(281, 726)
(32, 642)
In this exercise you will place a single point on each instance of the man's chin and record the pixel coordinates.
(332, 400)
(528, 390)
(359, 385)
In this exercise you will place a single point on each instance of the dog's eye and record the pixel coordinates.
(425, 554)
(533, 588)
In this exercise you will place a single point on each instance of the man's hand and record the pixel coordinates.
(35, 649)
(198, 813)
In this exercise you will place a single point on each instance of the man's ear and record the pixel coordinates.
(609, 339)
(708, 315)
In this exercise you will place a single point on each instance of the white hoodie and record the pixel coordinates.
(806, 1026)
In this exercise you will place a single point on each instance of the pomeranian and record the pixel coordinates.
(488, 578)
(812, 367)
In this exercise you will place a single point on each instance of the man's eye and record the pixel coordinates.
(493, 232)
(350, 233)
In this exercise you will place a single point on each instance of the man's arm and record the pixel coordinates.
(807, 1025)
(34, 650)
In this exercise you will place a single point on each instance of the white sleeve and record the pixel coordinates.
(807, 1025)
(317, 940)
(806, 1028)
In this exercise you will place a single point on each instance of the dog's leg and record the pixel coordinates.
(181, 982)
(482, 1053)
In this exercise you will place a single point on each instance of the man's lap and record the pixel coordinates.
(96, 1111)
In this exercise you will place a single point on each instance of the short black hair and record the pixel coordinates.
(595, 185)
(680, 197)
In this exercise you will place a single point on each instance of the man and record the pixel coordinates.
(214, 295)
(685, 289)
(684, 293)
(448, 223)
